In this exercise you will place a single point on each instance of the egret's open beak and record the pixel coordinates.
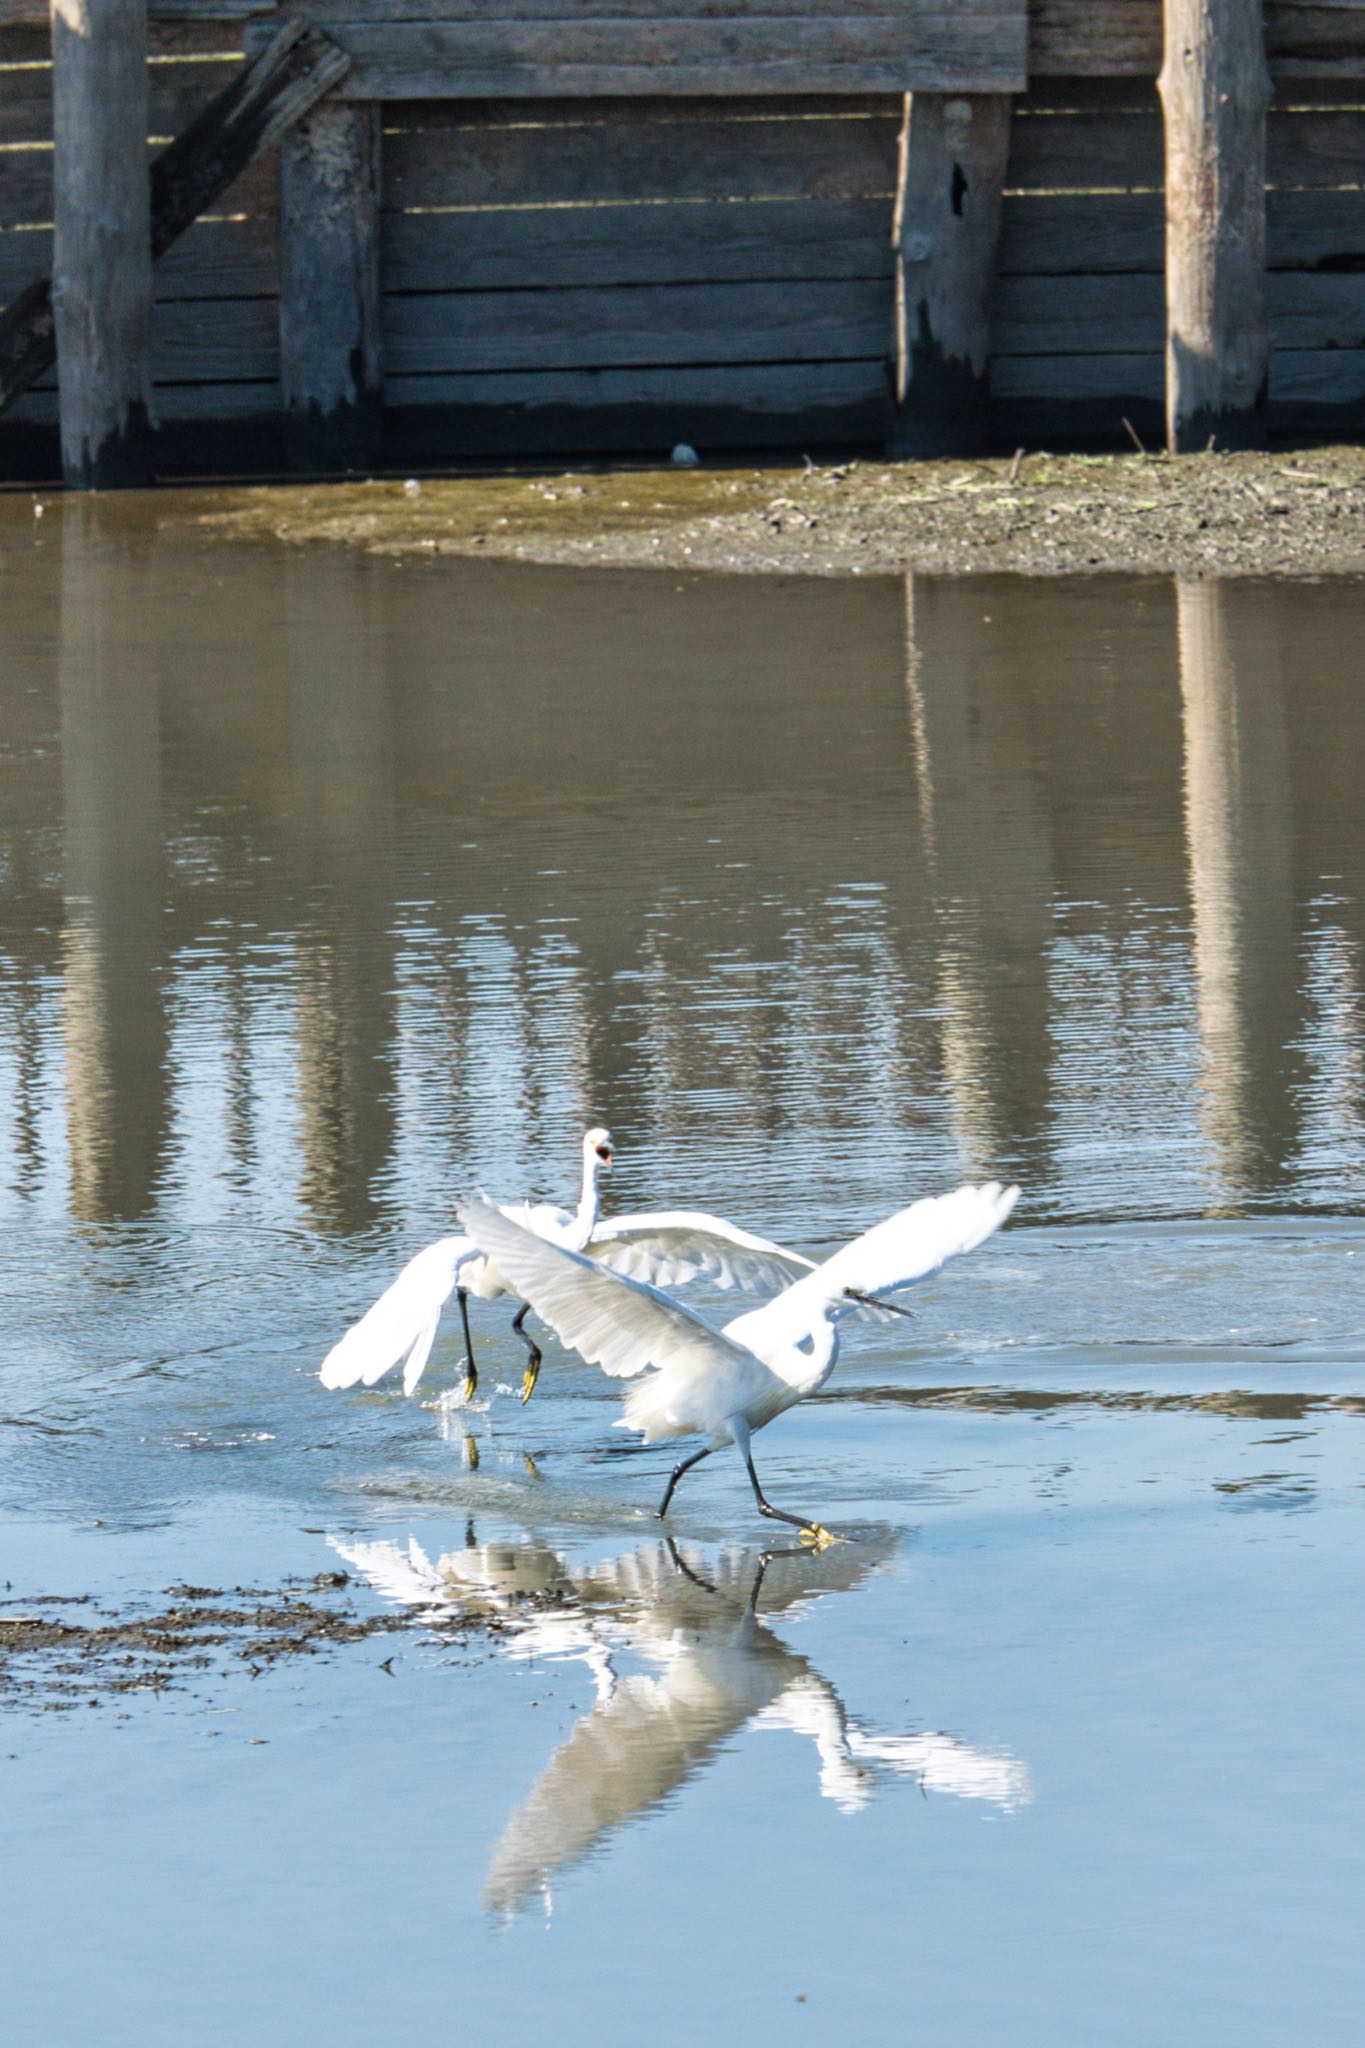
(604, 1154)
(875, 1301)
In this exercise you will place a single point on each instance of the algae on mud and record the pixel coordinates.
(1284, 514)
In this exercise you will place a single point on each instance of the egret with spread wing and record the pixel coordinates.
(727, 1383)
(667, 1248)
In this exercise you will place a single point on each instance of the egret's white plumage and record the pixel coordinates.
(669, 1247)
(726, 1383)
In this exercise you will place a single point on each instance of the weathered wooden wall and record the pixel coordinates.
(617, 273)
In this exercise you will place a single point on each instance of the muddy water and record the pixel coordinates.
(333, 884)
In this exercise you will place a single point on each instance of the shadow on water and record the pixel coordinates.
(714, 1666)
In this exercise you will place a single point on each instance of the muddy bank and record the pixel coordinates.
(1279, 515)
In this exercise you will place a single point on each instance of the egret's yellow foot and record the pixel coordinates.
(528, 1380)
(816, 1537)
(471, 1381)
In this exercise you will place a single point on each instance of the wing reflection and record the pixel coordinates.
(712, 1667)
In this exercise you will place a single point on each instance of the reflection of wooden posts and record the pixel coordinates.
(329, 286)
(991, 861)
(114, 884)
(945, 234)
(1238, 839)
(1214, 90)
(102, 252)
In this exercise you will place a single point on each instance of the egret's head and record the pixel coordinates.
(597, 1145)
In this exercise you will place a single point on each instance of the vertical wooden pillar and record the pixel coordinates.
(1214, 91)
(329, 286)
(945, 235)
(102, 252)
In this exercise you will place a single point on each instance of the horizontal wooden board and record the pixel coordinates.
(1111, 38)
(805, 405)
(715, 159)
(696, 243)
(176, 93)
(1125, 315)
(939, 50)
(227, 259)
(203, 402)
(648, 325)
(26, 190)
(1070, 233)
(1126, 149)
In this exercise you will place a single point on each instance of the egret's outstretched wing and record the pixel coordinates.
(620, 1324)
(401, 1326)
(908, 1246)
(678, 1245)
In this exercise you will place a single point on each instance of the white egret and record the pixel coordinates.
(667, 1248)
(727, 1383)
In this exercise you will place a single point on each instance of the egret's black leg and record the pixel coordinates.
(814, 1530)
(471, 1371)
(678, 1470)
(532, 1372)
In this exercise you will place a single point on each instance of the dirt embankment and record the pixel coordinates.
(1279, 515)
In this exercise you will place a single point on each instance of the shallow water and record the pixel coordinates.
(332, 885)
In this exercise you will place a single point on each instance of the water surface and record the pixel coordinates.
(332, 885)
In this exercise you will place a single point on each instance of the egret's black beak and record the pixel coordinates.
(875, 1301)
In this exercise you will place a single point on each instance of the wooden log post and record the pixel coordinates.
(329, 287)
(1215, 89)
(102, 251)
(945, 233)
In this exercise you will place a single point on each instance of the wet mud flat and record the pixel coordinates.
(59, 1652)
(1295, 514)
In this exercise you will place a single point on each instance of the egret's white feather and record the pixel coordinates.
(678, 1245)
(401, 1326)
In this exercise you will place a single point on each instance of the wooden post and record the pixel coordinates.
(102, 252)
(329, 286)
(1214, 91)
(945, 233)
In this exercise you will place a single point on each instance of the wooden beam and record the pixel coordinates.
(288, 77)
(329, 287)
(102, 267)
(935, 45)
(1215, 90)
(945, 234)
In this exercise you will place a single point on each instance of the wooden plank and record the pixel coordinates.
(231, 341)
(229, 259)
(1068, 233)
(176, 93)
(205, 403)
(329, 287)
(1215, 91)
(1113, 315)
(806, 405)
(936, 51)
(697, 243)
(648, 325)
(1123, 151)
(642, 161)
(96, 313)
(945, 235)
(595, 111)
(1095, 38)
(290, 75)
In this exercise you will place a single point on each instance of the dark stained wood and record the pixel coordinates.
(1215, 91)
(945, 234)
(330, 373)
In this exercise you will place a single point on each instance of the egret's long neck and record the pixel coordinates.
(585, 1216)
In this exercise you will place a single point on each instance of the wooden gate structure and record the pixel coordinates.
(255, 239)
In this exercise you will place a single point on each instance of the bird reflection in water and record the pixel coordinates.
(714, 1666)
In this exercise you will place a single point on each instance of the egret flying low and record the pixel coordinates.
(667, 1248)
(727, 1383)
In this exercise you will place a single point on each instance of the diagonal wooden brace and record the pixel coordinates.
(289, 76)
